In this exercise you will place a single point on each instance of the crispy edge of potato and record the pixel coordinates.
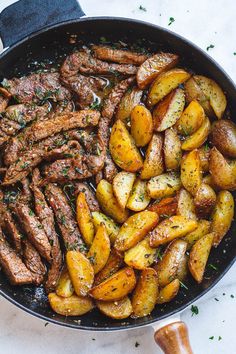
(198, 138)
(70, 306)
(202, 229)
(199, 255)
(141, 125)
(166, 207)
(164, 185)
(114, 263)
(172, 150)
(186, 205)
(127, 103)
(191, 119)
(64, 286)
(111, 226)
(204, 200)
(122, 187)
(191, 173)
(84, 219)
(204, 153)
(139, 198)
(140, 256)
(153, 164)
(169, 292)
(116, 309)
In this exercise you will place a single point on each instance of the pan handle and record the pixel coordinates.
(173, 337)
(25, 17)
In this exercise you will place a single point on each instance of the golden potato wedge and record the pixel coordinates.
(135, 229)
(167, 267)
(209, 180)
(191, 119)
(153, 164)
(108, 202)
(111, 226)
(164, 185)
(198, 138)
(70, 306)
(168, 293)
(100, 249)
(182, 270)
(145, 294)
(64, 286)
(139, 198)
(204, 200)
(191, 173)
(172, 150)
(222, 172)
(140, 256)
(223, 137)
(123, 150)
(141, 125)
(122, 187)
(116, 287)
(165, 83)
(202, 229)
(199, 255)
(114, 263)
(169, 110)
(222, 216)
(204, 153)
(194, 92)
(169, 229)
(186, 205)
(116, 309)
(153, 67)
(214, 93)
(166, 207)
(84, 219)
(130, 99)
(81, 272)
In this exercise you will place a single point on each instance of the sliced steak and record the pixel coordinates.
(33, 262)
(118, 55)
(12, 264)
(89, 195)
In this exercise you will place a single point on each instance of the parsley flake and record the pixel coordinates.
(211, 46)
(194, 310)
(142, 8)
(171, 20)
(137, 344)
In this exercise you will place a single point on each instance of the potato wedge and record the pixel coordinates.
(186, 205)
(114, 263)
(145, 294)
(164, 185)
(214, 93)
(111, 226)
(166, 207)
(191, 119)
(153, 67)
(153, 164)
(108, 202)
(122, 187)
(198, 138)
(223, 173)
(172, 150)
(84, 219)
(116, 309)
(204, 200)
(140, 256)
(100, 249)
(141, 125)
(167, 267)
(204, 153)
(169, 110)
(191, 173)
(130, 99)
(222, 216)
(64, 286)
(70, 306)
(116, 287)
(209, 180)
(202, 229)
(123, 150)
(139, 198)
(81, 272)
(169, 229)
(199, 255)
(223, 137)
(168, 293)
(135, 229)
(182, 270)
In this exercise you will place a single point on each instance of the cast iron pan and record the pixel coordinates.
(52, 42)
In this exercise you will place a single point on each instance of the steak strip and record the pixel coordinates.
(89, 195)
(33, 262)
(118, 55)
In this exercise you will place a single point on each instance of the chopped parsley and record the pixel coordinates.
(219, 338)
(142, 8)
(194, 310)
(234, 53)
(206, 147)
(183, 285)
(137, 344)
(211, 46)
(211, 338)
(65, 171)
(212, 266)
(31, 213)
(171, 20)
(96, 104)
(103, 40)
(232, 296)
(46, 324)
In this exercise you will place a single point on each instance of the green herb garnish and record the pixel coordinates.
(142, 8)
(194, 310)
(171, 20)
(211, 46)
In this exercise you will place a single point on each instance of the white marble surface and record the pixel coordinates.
(205, 22)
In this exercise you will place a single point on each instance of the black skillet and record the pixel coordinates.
(50, 40)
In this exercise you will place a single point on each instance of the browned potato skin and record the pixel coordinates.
(191, 173)
(114, 263)
(168, 293)
(223, 137)
(70, 306)
(199, 255)
(168, 266)
(141, 125)
(204, 153)
(145, 294)
(204, 200)
(172, 150)
(166, 207)
(128, 102)
(154, 66)
(115, 287)
(116, 309)
(153, 164)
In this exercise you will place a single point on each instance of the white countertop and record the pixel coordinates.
(204, 22)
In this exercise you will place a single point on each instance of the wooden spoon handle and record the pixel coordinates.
(173, 338)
